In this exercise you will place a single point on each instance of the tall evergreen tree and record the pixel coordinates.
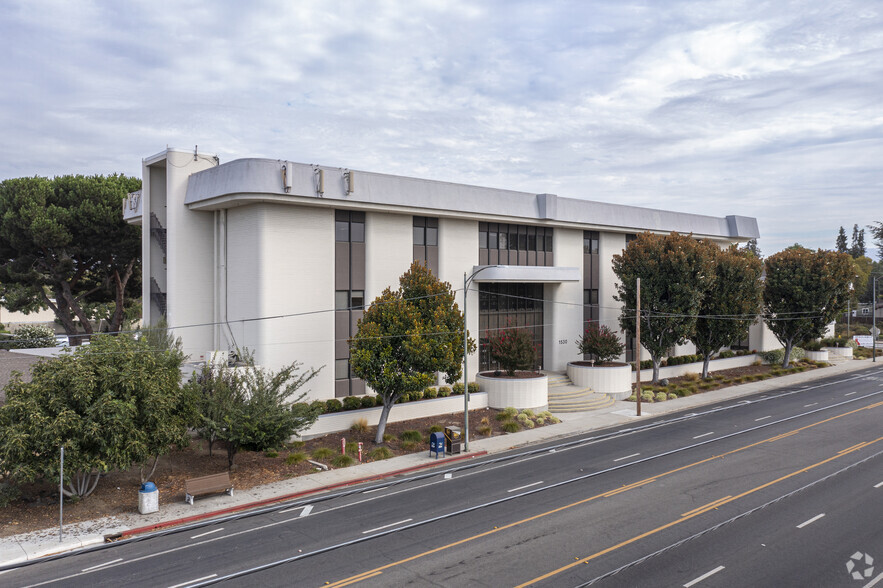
(842, 247)
(877, 232)
(858, 242)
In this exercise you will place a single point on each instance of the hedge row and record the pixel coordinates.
(370, 401)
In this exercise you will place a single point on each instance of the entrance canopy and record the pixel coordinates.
(525, 273)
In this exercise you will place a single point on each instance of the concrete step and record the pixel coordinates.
(593, 402)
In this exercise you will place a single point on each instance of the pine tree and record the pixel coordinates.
(841, 242)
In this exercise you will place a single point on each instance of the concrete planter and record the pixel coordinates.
(845, 352)
(818, 355)
(615, 381)
(519, 393)
(341, 421)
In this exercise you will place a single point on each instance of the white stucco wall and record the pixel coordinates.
(563, 311)
(389, 251)
(458, 252)
(278, 260)
(609, 244)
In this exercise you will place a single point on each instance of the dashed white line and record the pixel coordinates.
(808, 405)
(374, 490)
(873, 582)
(810, 521)
(523, 487)
(207, 533)
(387, 526)
(703, 576)
(627, 457)
(850, 393)
(101, 565)
(878, 485)
(188, 583)
(763, 418)
(704, 435)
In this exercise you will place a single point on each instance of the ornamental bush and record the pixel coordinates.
(513, 349)
(601, 342)
(33, 336)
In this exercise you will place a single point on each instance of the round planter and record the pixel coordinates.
(818, 355)
(839, 352)
(615, 381)
(518, 393)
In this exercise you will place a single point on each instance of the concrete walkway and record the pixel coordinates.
(38, 544)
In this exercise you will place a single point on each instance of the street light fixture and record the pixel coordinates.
(466, 281)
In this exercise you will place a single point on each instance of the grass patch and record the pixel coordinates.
(436, 429)
(359, 425)
(342, 461)
(411, 436)
(294, 458)
(485, 430)
(511, 426)
(379, 453)
(271, 453)
(409, 445)
(323, 453)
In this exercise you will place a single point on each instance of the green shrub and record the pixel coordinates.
(323, 453)
(601, 342)
(333, 405)
(342, 461)
(513, 349)
(632, 398)
(387, 437)
(726, 354)
(686, 393)
(352, 447)
(430, 393)
(815, 345)
(8, 494)
(458, 389)
(294, 458)
(545, 414)
(271, 453)
(444, 391)
(474, 388)
(528, 424)
(647, 397)
(296, 444)
(511, 426)
(522, 418)
(510, 412)
(379, 453)
(661, 397)
(528, 413)
(352, 403)
(672, 396)
(416, 395)
(33, 336)
(412, 436)
(369, 401)
(485, 431)
(541, 421)
(554, 420)
(691, 377)
(409, 445)
(318, 406)
(436, 429)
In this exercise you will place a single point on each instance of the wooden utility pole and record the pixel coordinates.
(638, 349)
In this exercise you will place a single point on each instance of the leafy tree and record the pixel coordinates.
(513, 349)
(841, 242)
(804, 291)
(600, 342)
(752, 247)
(877, 232)
(33, 336)
(113, 403)
(406, 336)
(730, 308)
(861, 281)
(676, 271)
(64, 245)
(251, 407)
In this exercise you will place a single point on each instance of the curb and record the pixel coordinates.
(258, 503)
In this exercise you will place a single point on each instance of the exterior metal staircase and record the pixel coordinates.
(564, 396)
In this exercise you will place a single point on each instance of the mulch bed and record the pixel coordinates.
(117, 492)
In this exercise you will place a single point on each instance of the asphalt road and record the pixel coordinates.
(780, 489)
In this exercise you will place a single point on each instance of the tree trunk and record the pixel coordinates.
(152, 470)
(705, 360)
(119, 282)
(384, 414)
(656, 362)
(231, 452)
(788, 344)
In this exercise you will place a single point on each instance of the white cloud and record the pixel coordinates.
(722, 107)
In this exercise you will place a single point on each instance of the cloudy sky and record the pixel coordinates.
(765, 109)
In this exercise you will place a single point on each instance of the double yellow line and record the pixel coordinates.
(686, 516)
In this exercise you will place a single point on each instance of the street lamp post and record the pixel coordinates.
(467, 279)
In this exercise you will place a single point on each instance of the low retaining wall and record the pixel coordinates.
(518, 393)
(341, 421)
(714, 365)
(611, 380)
(818, 355)
(839, 351)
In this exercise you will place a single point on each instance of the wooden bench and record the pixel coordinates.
(210, 484)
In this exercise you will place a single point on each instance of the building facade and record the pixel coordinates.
(281, 257)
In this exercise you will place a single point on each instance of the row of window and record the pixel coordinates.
(514, 237)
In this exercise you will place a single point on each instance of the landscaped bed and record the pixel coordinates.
(117, 492)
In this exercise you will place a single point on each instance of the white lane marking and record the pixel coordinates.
(387, 526)
(374, 490)
(849, 393)
(627, 457)
(523, 487)
(808, 405)
(878, 485)
(101, 565)
(763, 418)
(307, 510)
(810, 521)
(207, 533)
(448, 476)
(873, 582)
(189, 582)
(703, 576)
(703, 435)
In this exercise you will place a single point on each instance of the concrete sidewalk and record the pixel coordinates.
(28, 546)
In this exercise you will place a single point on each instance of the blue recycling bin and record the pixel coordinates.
(436, 444)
